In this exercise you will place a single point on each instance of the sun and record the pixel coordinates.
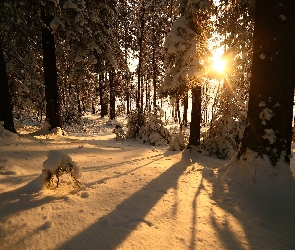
(218, 64)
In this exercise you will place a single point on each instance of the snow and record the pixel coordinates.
(262, 56)
(270, 135)
(283, 17)
(138, 196)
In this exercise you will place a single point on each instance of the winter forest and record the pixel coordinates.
(148, 124)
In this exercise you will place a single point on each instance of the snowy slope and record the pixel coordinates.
(134, 196)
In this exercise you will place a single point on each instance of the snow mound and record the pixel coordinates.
(45, 131)
(258, 172)
(6, 134)
(178, 143)
(11, 170)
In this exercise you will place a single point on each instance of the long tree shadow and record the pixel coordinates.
(103, 180)
(267, 220)
(112, 229)
(193, 240)
(23, 198)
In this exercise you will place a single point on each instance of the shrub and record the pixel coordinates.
(57, 165)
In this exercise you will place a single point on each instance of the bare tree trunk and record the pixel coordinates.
(93, 108)
(185, 108)
(53, 113)
(103, 105)
(140, 59)
(6, 114)
(128, 103)
(270, 109)
(196, 117)
(78, 100)
(112, 95)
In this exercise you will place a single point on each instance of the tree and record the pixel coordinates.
(234, 29)
(53, 115)
(6, 114)
(185, 49)
(270, 110)
(20, 33)
(269, 131)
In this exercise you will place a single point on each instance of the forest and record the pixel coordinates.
(204, 88)
(64, 59)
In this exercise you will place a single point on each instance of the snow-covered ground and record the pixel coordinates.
(134, 196)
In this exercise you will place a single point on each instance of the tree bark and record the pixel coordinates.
(6, 113)
(195, 129)
(140, 60)
(103, 105)
(185, 108)
(53, 113)
(270, 109)
(112, 95)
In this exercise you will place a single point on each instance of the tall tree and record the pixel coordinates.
(269, 131)
(270, 110)
(185, 49)
(53, 115)
(6, 114)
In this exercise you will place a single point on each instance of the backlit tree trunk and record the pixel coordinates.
(5, 97)
(53, 114)
(194, 139)
(185, 108)
(140, 60)
(112, 95)
(270, 109)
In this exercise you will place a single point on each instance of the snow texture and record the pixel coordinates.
(138, 196)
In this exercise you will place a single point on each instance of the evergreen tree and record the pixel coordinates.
(185, 49)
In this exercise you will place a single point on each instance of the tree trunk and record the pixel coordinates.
(195, 129)
(140, 60)
(53, 114)
(128, 103)
(154, 64)
(185, 108)
(103, 105)
(93, 107)
(270, 109)
(6, 114)
(141, 94)
(112, 95)
(78, 100)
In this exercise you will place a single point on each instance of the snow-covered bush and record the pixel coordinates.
(148, 127)
(58, 164)
(120, 134)
(134, 122)
(229, 122)
(121, 109)
(6, 134)
(70, 115)
(117, 129)
(179, 142)
(223, 138)
(153, 130)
